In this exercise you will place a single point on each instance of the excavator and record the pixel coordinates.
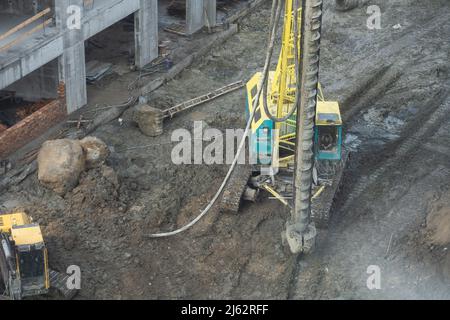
(24, 261)
(296, 138)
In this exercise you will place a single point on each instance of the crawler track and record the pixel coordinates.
(231, 198)
(322, 205)
(58, 281)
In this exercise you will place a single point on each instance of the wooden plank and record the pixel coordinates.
(24, 24)
(26, 35)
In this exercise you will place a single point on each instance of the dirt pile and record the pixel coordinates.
(98, 188)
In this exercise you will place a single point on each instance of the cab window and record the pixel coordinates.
(32, 263)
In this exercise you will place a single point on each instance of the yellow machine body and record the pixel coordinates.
(7, 221)
(28, 272)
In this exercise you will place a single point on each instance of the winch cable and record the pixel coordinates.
(247, 129)
(296, 63)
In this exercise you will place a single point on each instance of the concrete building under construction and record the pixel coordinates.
(42, 55)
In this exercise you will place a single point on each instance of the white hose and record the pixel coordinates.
(241, 144)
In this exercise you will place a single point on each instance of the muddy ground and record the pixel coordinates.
(393, 212)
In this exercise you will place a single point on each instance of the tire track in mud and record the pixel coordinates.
(406, 149)
(370, 90)
(383, 71)
(380, 79)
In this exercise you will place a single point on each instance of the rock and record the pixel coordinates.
(95, 150)
(149, 120)
(60, 163)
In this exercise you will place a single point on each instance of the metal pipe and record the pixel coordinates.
(300, 224)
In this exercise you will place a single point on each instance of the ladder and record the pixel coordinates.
(202, 99)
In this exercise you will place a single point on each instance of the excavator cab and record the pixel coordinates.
(23, 257)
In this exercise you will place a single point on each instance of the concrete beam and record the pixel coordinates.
(146, 32)
(30, 62)
(38, 85)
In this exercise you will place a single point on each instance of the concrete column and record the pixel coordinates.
(211, 11)
(73, 62)
(146, 32)
(194, 16)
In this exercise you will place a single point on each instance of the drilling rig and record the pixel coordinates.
(296, 135)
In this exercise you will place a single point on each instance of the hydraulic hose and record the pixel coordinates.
(241, 144)
(296, 62)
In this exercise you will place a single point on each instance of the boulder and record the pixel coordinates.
(95, 151)
(60, 163)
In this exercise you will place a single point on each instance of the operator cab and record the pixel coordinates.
(32, 259)
(328, 131)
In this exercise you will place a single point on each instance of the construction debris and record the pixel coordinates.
(96, 70)
(177, 28)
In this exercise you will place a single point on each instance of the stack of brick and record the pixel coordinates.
(34, 125)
